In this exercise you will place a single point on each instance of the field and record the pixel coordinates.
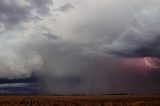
(115, 100)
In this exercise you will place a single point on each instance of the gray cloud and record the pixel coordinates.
(141, 38)
(41, 6)
(66, 56)
(66, 7)
(40, 51)
(14, 12)
(101, 22)
(114, 28)
(14, 85)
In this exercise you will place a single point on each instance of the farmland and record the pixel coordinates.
(109, 100)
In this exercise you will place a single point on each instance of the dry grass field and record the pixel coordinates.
(116, 100)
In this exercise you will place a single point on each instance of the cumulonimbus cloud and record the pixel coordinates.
(141, 38)
(75, 36)
(63, 48)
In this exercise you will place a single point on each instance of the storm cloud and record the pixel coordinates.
(141, 38)
(71, 47)
(14, 12)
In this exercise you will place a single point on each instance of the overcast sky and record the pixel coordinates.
(80, 46)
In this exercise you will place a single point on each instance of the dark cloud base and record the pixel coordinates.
(87, 60)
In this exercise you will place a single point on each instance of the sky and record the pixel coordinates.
(79, 46)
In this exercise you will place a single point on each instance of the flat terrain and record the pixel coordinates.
(115, 100)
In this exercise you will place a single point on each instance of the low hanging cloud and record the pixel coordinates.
(141, 38)
(40, 51)
(64, 49)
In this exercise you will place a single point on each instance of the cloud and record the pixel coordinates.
(41, 6)
(66, 44)
(12, 13)
(18, 88)
(100, 21)
(40, 51)
(66, 7)
(14, 85)
(64, 49)
(141, 38)
(112, 27)
(107, 27)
